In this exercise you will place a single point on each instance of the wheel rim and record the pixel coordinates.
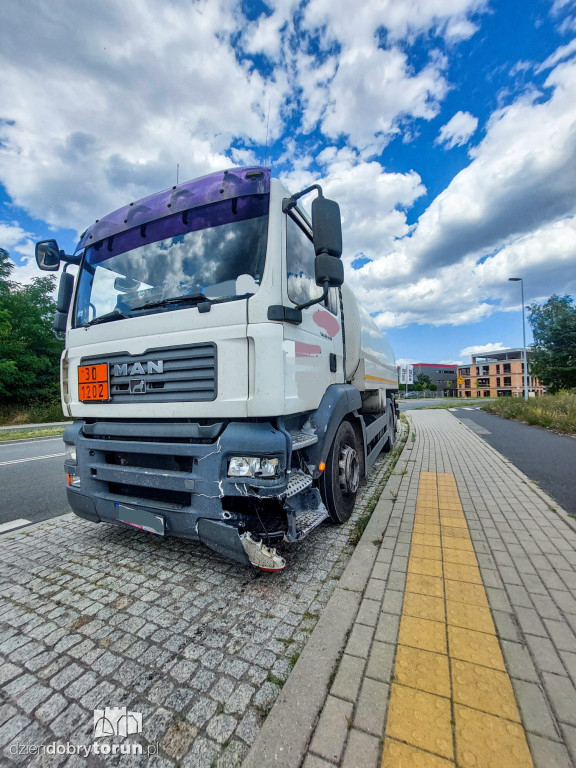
(349, 470)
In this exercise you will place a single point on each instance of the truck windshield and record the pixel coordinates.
(212, 253)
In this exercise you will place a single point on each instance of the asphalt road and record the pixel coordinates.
(544, 456)
(32, 480)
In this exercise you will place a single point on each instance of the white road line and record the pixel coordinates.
(14, 524)
(31, 458)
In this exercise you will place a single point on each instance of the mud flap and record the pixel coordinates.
(223, 539)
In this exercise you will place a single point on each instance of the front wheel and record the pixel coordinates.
(339, 481)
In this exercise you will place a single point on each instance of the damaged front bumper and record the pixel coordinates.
(178, 473)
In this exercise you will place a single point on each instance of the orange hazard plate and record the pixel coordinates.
(93, 383)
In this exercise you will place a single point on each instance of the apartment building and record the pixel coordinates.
(497, 374)
(442, 374)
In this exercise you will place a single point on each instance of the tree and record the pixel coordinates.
(433, 387)
(423, 379)
(553, 358)
(29, 352)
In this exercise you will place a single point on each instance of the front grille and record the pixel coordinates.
(187, 374)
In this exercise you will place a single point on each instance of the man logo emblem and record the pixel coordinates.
(137, 386)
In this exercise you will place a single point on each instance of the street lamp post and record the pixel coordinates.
(521, 281)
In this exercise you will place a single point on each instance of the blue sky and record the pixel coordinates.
(446, 129)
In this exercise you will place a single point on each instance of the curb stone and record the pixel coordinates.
(284, 738)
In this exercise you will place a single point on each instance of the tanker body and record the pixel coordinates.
(225, 384)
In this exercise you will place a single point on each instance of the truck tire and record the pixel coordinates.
(389, 444)
(339, 481)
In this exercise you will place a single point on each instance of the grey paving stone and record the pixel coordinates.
(348, 678)
(11, 728)
(396, 580)
(534, 709)
(381, 661)
(313, 761)
(561, 634)
(569, 734)
(530, 621)
(506, 626)
(332, 730)
(362, 750)
(548, 754)
(372, 705)
(376, 587)
(360, 640)
(498, 600)
(387, 629)
(518, 661)
(562, 695)
(369, 612)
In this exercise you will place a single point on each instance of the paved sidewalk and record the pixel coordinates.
(450, 639)
(102, 616)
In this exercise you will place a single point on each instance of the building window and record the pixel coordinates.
(483, 382)
(498, 369)
(498, 381)
(486, 393)
(507, 381)
(466, 383)
(506, 368)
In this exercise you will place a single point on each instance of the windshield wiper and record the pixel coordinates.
(191, 298)
(116, 314)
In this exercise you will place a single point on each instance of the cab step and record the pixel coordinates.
(305, 513)
(302, 440)
(297, 483)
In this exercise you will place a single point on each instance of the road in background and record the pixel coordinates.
(32, 480)
(544, 456)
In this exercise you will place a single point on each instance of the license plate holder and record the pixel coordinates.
(93, 383)
(141, 519)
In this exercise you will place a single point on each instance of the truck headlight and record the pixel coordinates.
(70, 452)
(250, 466)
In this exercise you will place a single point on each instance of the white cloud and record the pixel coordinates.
(522, 177)
(20, 246)
(480, 349)
(457, 131)
(564, 52)
(101, 102)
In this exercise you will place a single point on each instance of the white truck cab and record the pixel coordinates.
(225, 384)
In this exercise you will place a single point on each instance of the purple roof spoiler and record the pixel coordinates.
(222, 185)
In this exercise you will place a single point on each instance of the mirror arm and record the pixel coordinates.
(316, 301)
(290, 202)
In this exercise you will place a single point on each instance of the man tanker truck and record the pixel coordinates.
(225, 383)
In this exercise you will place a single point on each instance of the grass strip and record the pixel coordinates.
(556, 412)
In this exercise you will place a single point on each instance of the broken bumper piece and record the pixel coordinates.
(262, 557)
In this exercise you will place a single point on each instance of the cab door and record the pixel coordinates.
(313, 350)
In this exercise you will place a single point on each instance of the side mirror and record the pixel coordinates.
(48, 255)
(328, 270)
(326, 227)
(63, 302)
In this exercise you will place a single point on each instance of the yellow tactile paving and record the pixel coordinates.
(420, 719)
(486, 741)
(422, 633)
(451, 701)
(401, 755)
(424, 670)
(425, 585)
(424, 607)
(469, 616)
(477, 647)
(481, 688)
(426, 567)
